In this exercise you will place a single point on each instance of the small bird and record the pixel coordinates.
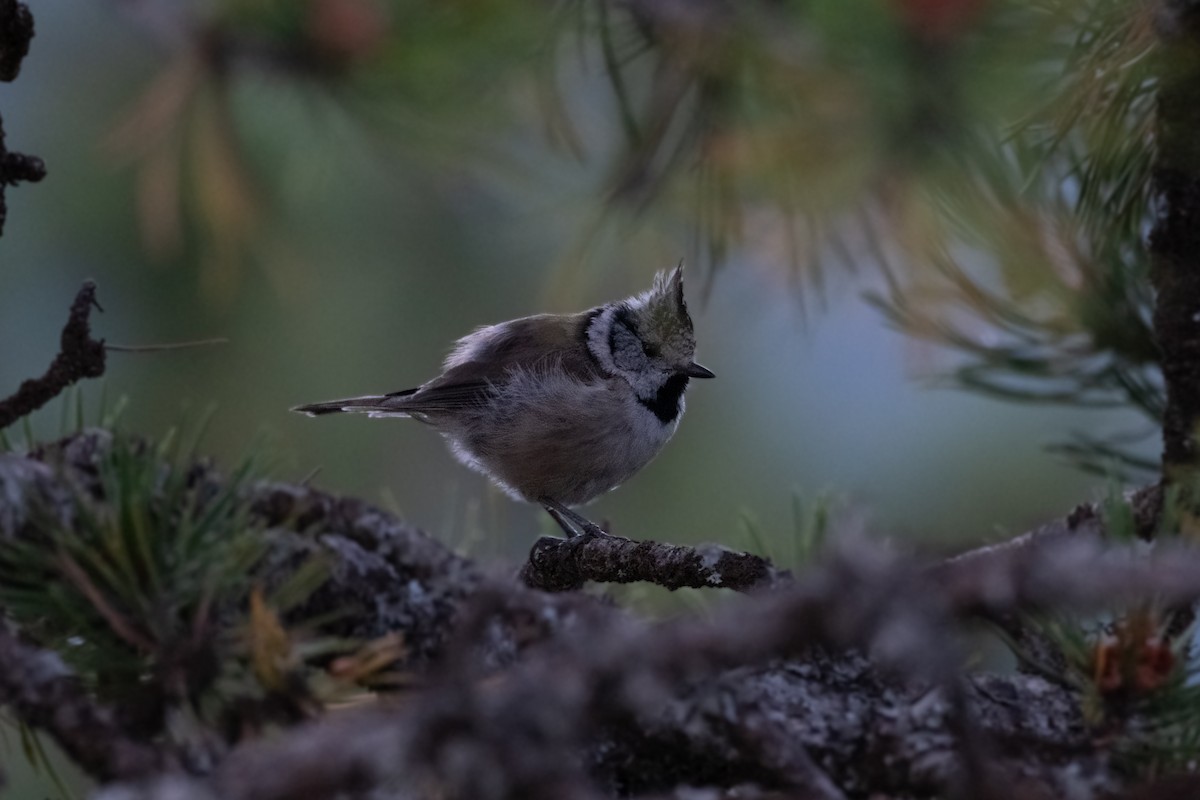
(558, 409)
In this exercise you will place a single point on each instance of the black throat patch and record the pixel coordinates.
(665, 404)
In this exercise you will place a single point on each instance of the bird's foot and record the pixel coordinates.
(573, 524)
(589, 528)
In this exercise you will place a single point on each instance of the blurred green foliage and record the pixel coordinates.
(342, 187)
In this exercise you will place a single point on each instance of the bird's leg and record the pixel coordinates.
(572, 524)
(562, 522)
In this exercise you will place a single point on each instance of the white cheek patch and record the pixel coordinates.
(597, 339)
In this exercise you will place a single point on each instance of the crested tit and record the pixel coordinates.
(559, 408)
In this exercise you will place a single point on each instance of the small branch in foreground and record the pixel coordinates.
(563, 565)
(79, 356)
(43, 693)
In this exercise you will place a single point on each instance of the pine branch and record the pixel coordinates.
(585, 701)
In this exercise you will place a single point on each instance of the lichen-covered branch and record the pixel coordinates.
(563, 565)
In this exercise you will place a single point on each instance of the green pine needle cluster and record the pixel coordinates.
(1167, 737)
(1045, 291)
(1138, 687)
(1135, 669)
(150, 581)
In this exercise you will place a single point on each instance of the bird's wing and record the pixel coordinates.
(431, 399)
(409, 403)
(485, 359)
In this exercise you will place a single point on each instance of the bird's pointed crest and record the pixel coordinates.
(665, 304)
(669, 286)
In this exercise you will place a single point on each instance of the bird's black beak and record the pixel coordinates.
(694, 370)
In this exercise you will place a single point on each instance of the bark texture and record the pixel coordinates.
(1174, 241)
(562, 565)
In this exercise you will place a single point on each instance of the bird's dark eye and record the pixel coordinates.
(650, 350)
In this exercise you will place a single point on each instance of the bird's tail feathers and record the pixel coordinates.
(375, 405)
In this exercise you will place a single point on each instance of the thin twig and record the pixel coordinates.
(155, 348)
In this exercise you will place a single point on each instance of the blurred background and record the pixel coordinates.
(343, 187)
